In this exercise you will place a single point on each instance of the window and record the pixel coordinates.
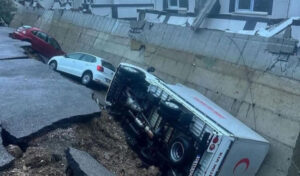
(76, 56)
(245, 4)
(108, 65)
(254, 5)
(178, 4)
(54, 43)
(88, 58)
(42, 36)
(34, 32)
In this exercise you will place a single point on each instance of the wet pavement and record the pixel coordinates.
(35, 99)
(11, 48)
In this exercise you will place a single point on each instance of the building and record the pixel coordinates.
(50, 4)
(121, 9)
(253, 17)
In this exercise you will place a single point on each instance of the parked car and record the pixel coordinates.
(86, 66)
(40, 41)
(181, 130)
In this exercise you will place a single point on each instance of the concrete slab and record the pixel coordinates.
(5, 157)
(81, 163)
(34, 98)
(9, 47)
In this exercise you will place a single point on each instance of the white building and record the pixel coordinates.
(239, 15)
(261, 17)
(50, 4)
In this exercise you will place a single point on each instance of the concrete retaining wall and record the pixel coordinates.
(237, 72)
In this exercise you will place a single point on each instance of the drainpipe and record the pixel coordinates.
(288, 10)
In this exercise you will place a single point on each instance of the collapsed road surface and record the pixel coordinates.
(11, 49)
(5, 157)
(34, 98)
(83, 163)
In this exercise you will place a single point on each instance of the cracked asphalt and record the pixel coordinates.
(35, 98)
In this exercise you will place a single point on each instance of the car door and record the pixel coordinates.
(54, 47)
(86, 62)
(68, 63)
(39, 43)
(109, 70)
(35, 40)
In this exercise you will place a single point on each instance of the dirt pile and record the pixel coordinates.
(103, 138)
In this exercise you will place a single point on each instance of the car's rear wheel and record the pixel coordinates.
(53, 65)
(86, 78)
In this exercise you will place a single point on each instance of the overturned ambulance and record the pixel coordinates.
(180, 130)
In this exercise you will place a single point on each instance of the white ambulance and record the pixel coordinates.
(180, 130)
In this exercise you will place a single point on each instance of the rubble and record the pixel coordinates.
(81, 163)
(103, 138)
(5, 158)
(14, 150)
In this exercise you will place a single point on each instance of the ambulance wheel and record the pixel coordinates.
(169, 111)
(180, 151)
(131, 73)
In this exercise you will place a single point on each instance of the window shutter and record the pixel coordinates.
(232, 6)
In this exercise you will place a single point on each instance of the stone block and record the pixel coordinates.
(235, 50)
(277, 127)
(267, 170)
(250, 53)
(273, 81)
(275, 100)
(225, 84)
(81, 163)
(212, 43)
(279, 158)
(246, 114)
(222, 47)
(135, 45)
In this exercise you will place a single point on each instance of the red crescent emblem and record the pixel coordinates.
(242, 161)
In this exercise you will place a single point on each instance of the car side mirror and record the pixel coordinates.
(151, 69)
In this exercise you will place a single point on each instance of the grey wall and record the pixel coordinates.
(235, 71)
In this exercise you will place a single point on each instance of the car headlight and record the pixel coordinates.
(24, 32)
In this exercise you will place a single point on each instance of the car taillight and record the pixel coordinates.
(212, 147)
(216, 140)
(100, 68)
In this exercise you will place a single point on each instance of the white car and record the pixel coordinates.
(86, 66)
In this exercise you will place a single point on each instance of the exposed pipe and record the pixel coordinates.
(288, 10)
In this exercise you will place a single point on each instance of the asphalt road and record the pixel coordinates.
(34, 98)
(11, 48)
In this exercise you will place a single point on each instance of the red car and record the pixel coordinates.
(40, 41)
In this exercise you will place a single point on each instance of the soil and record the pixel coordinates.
(103, 138)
